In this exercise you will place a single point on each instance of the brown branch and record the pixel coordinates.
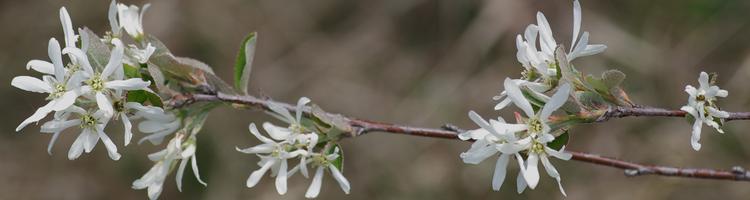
(451, 132)
(620, 112)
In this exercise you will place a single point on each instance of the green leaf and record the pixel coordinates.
(339, 162)
(331, 120)
(591, 100)
(97, 51)
(142, 96)
(244, 64)
(131, 71)
(559, 141)
(613, 78)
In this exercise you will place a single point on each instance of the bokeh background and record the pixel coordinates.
(417, 62)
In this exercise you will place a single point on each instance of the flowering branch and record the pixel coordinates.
(620, 112)
(451, 132)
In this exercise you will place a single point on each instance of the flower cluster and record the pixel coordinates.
(541, 68)
(528, 140)
(529, 136)
(702, 107)
(178, 150)
(92, 89)
(294, 141)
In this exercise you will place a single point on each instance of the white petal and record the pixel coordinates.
(557, 101)
(115, 59)
(300, 107)
(31, 84)
(277, 133)
(718, 113)
(256, 133)
(129, 84)
(532, 170)
(514, 93)
(314, 188)
(128, 127)
(91, 139)
(551, 171)
(112, 16)
(576, 21)
(104, 104)
(520, 183)
(41, 66)
(38, 115)
(262, 148)
(482, 123)
(52, 142)
(56, 57)
(257, 174)
(281, 111)
(194, 163)
(77, 148)
(281, 178)
(111, 147)
(81, 58)
(703, 80)
(66, 100)
(343, 183)
(697, 125)
(500, 169)
(558, 154)
(179, 174)
(592, 49)
(303, 166)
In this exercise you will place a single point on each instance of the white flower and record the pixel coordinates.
(70, 36)
(538, 134)
(326, 162)
(273, 155)
(101, 84)
(92, 125)
(493, 137)
(63, 90)
(158, 123)
(166, 159)
(128, 18)
(295, 122)
(540, 63)
(702, 106)
(139, 56)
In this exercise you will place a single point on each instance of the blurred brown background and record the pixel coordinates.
(418, 62)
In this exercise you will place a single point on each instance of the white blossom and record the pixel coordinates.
(323, 162)
(493, 137)
(702, 106)
(92, 129)
(273, 155)
(157, 123)
(101, 85)
(540, 63)
(128, 18)
(177, 151)
(62, 89)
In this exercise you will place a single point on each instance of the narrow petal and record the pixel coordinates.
(520, 183)
(277, 133)
(281, 111)
(104, 104)
(532, 170)
(558, 154)
(128, 128)
(38, 115)
(697, 125)
(703, 81)
(343, 183)
(300, 107)
(179, 174)
(482, 123)
(81, 58)
(514, 93)
(129, 84)
(500, 170)
(52, 142)
(194, 162)
(55, 56)
(66, 100)
(256, 133)
(112, 16)
(115, 59)
(70, 37)
(576, 21)
(31, 84)
(41, 66)
(281, 178)
(77, 148)
(262, 148)
(592, 49)
(257, 174)
(314, 188)
(557, 101)
(303, 166)
(111, 147)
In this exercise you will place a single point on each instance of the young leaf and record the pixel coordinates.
(244, 63)
(613, 78)
(97, 51)
(142, 96)
(559, 141)
(339, 162)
